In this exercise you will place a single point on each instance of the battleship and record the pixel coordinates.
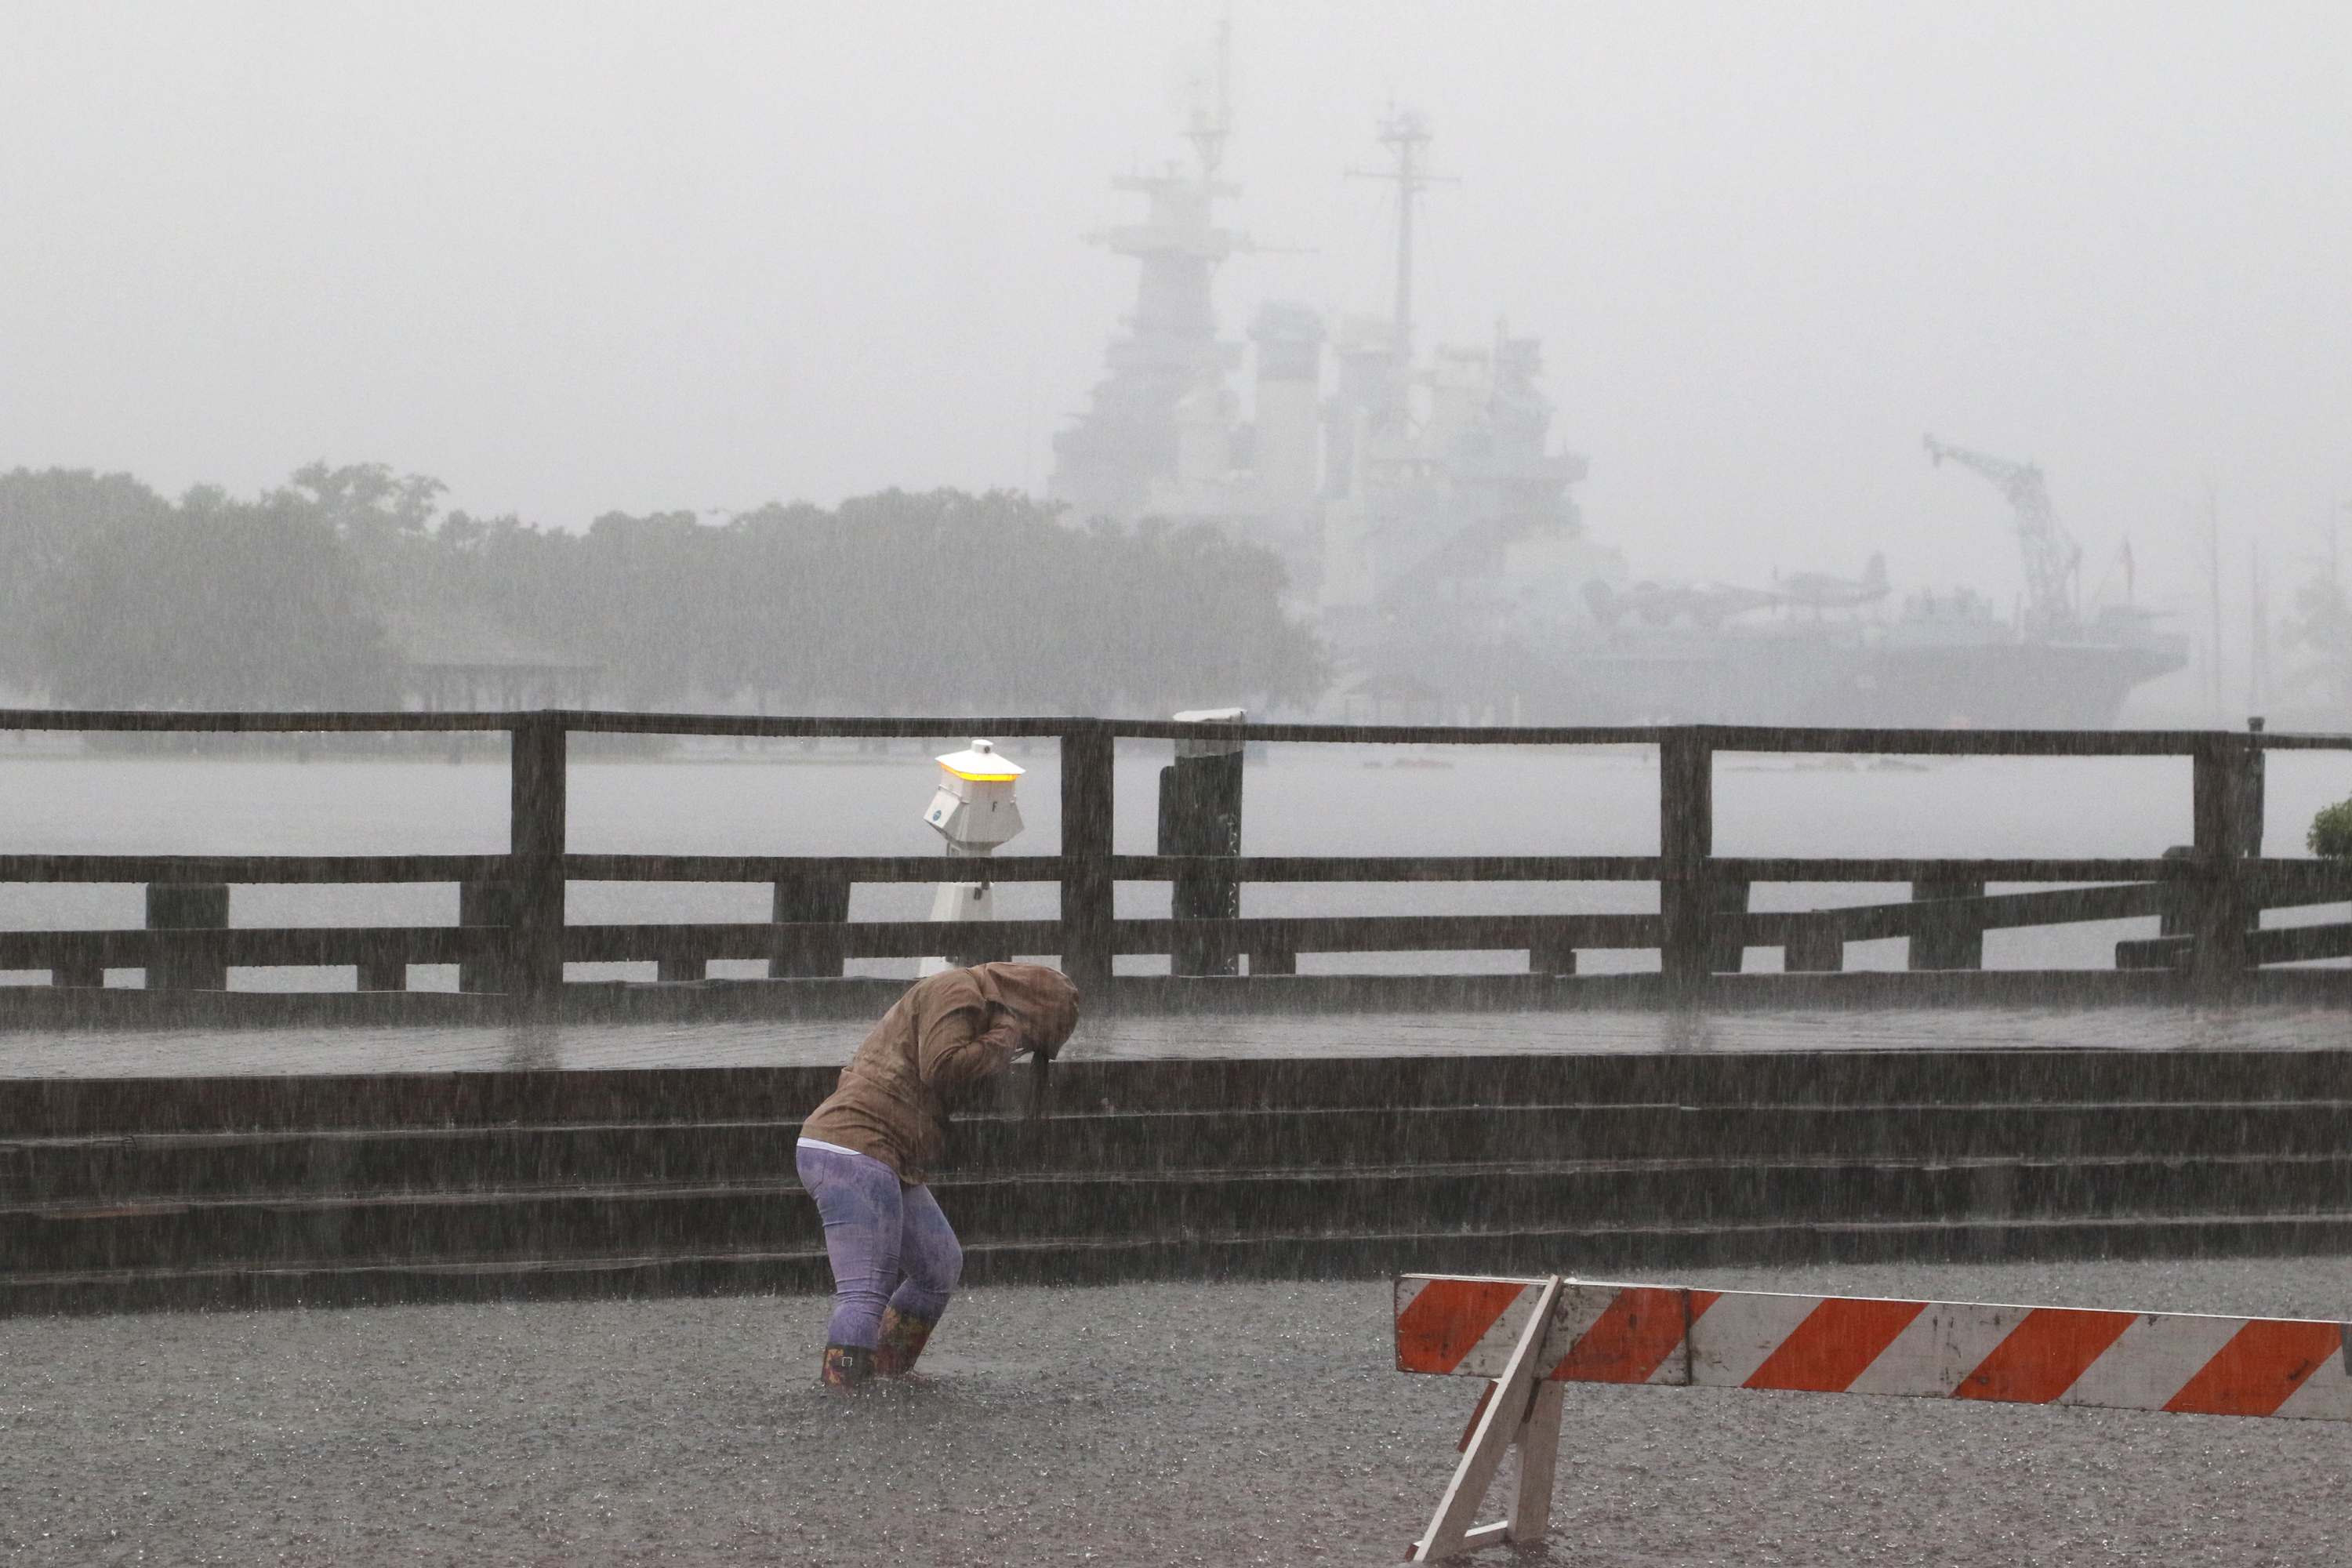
(1427, 521)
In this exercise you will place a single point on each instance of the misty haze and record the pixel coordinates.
(1689, 291)
(900, 782)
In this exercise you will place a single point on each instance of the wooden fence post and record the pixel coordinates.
(486, 905)
(1273, 955)
(2254, 788)
(1200, 814)
(1087, 794)
(1820, 950)
(187, 907)
(1726, 949)
(1949, 939)
(2222, 790)
(819, 897)
(1549, 953)
(1685, 842)
(383, 974)
(535, 842)
(2181, 901)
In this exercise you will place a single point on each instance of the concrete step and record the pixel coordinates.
(394, 1160)
(550, 1222)
(1601, 1250)
(45, 1107)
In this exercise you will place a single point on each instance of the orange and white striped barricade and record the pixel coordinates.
(1529, 1337)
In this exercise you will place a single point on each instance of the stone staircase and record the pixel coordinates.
(131, 1194)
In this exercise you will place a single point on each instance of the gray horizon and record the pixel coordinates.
(584, 259)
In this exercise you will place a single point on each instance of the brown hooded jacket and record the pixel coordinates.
(946, 1034)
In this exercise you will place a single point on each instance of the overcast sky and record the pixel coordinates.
(572, 258)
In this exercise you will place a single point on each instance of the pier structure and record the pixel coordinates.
(513, 940)
(187, 1188)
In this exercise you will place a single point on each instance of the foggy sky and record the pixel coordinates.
(571, 257)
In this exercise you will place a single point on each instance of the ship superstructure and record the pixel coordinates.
(1426, 520)
(1159, 435)
(1410, 491)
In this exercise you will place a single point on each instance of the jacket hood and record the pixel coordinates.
(1040, 999)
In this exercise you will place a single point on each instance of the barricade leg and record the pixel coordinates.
(1521, 1409)
(1538, 1461)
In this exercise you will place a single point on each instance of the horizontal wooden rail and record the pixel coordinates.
(2291, 944)
(1396, 933)
(781, 868)
(1714, 737)
(2270, 944)
(853, 939)
(120, 722)
(2280, 882)
(1870, 922)
(1778, 741)
(1391, 868)
(1767, 868)
(247, 870)
(258, 947)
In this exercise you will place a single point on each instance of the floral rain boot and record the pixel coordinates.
(903, 1338)
(846, 1366)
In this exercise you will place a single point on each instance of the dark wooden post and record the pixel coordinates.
(535, 842)
(201, 906)
(1087, 785)
(2219, 916)
(2254, 781)
(673, 970)
(1686, 843)
(85, 973)
(1726, 951)
(1819, 950)
(1275, 955)
(384, 972)
(1549, 953)
(2180, 899)
(1948, 939)
(1200, 814)
(819, 897)
(490, 905)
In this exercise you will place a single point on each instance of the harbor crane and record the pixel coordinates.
(2053, 561)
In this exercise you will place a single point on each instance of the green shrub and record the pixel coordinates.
(2331, 831)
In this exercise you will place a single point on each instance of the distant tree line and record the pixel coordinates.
(332, 590)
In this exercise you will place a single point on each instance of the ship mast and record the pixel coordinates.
(1406, 135)
(1214, 123)
(1153, 424)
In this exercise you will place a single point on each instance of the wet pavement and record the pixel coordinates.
(1146, 1424)
(209, 1052)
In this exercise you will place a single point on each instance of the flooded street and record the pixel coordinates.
(656, 657)
(1194, 1424)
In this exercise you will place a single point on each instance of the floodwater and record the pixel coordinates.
(1192, 1424)
(1211, 1425)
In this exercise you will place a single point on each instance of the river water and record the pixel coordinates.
(788, 798)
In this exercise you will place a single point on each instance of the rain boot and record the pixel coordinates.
(846, 1366)
(903, 1338)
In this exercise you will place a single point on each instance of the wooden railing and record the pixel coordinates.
(513, 940)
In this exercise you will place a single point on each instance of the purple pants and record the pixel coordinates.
(889, 1244)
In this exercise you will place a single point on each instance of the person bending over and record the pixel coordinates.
(863, 1153)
